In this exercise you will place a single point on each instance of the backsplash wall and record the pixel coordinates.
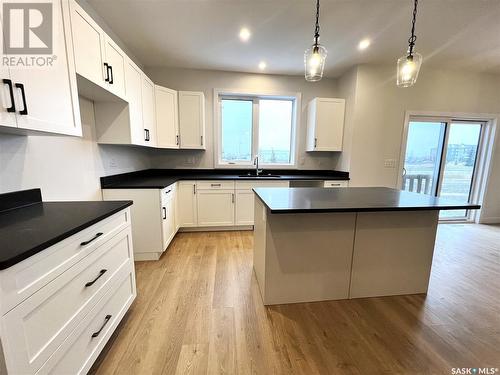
(206, 81)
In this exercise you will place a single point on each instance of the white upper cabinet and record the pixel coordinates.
(89, 41)
(148, 111)
(115, 67)
(167, 117)
(192, 119)
(133, 79)
(45, 98)
(7, 107)
(325, 124)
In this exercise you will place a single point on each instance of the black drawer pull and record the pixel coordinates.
(23, 95)
(110, 74)
(92, 239)
(215, 185)
(164, 213)
(106, 320)
(106, 67)
(90, 283)
(12, 107)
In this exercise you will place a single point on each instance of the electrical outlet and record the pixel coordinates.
(390, 163)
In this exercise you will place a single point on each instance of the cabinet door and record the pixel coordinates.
(47, 97)
(88, 40)
(167, 119)
(215, 207)
(329, 124)
(133, 88)
(186, 202)
(115, 58)
(148, 111)
(167, 216)
(244, 207)
(192, 119)
(7, 112)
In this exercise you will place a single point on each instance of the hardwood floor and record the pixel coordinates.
(198, 311)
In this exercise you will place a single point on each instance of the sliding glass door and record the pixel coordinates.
(441, 160)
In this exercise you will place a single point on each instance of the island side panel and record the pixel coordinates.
(259, 244)
(308, 257)
(393, 253)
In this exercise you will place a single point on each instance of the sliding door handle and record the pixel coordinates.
(20, 86)
(12, 107)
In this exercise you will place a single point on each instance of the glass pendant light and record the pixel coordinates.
(315, 56)
(409, 64)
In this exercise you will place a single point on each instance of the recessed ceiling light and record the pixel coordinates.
(245, 34)
(364, 44)
(262, 65)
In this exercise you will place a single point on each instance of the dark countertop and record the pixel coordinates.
(356, 199)
(33, 227)
(161, 178)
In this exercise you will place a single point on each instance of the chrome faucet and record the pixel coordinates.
(256, 163)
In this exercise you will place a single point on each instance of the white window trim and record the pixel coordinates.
(252, 95)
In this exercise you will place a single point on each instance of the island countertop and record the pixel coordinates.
(355, 199)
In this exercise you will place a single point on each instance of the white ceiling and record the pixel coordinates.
(203, 34)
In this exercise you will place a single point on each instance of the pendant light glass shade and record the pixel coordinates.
(408, 68)
(314, 62)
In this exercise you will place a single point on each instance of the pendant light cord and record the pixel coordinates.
(413, 37)
(316, 30)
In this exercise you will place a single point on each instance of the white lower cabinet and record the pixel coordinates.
(45, 330)
(245, 199)
(216, 208)
(154, 218)
(186, 204)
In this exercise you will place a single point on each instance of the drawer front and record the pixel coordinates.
(248, 185)
(36, 327)
(25, 278)
(215, 185)
(79, 351)
(333, 183)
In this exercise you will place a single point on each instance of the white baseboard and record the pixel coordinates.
(140, 257)
(216, 229)
(489, 220)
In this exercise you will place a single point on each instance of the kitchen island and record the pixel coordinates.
(313, 244)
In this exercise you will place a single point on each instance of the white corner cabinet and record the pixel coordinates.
(325, 124)
(60, 306)
(44, 99)
(154, 224)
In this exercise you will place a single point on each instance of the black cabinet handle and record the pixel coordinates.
(23, 95)
(106, 67)
(147, 135)
(110, 74)
(92, 239)
(315, 142)
(106, 320)
(164, 213)
(177, 139)
(201, 140)
(90, 283)
(12, 107)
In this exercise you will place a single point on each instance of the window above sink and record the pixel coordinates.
(250, 125)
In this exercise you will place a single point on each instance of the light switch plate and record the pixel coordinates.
(390, 163)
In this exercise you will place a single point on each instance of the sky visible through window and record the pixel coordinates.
(275, 130)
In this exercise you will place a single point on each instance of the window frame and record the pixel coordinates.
(220, 94)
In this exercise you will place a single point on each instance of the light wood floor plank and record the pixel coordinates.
(199, 311)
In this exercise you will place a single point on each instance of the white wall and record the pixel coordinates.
(206, 81)
(375, 129)
(65, 168)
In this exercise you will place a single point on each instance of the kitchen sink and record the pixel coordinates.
(260, 176)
